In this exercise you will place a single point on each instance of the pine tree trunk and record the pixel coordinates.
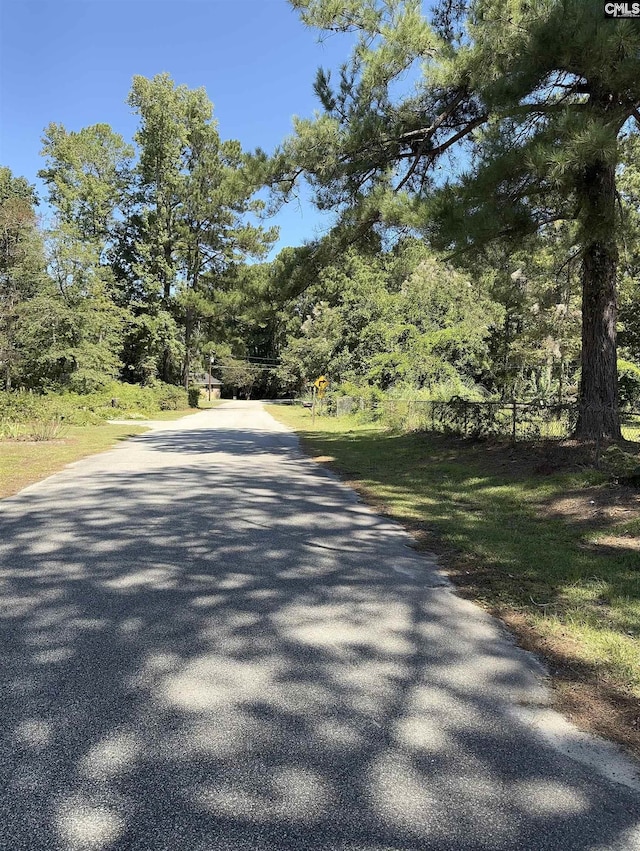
(599, 416)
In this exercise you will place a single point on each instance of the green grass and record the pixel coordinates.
(22, 463)
(164, 416)
(205, 405)
(502, 531)
(31, 456)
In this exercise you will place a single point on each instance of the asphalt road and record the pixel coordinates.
(208, 643)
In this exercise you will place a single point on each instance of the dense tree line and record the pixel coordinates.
(407, 322)
(482, 163)
(529, 104)
(133, 278)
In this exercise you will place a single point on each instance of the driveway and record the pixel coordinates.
(209, 643)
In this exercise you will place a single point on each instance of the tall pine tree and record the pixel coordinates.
(526, 101)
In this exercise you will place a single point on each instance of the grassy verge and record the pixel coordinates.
(163, 416)
(204, 405)
(166, 416)
(23, 462)
(531, 532)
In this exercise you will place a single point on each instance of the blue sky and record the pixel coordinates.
(72, 63)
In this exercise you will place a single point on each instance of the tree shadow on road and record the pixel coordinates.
(215, 656)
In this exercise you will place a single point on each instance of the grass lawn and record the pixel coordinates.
(23, 462)
(172, 415)
(158, 415)
(204, 405)
(531, 532)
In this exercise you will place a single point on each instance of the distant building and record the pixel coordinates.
(202, 381)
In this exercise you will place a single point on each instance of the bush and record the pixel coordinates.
(194, 397)
(115, 399)
(11, 431)
(623, 466)
(45, 429)
(629, 383)
(365, 401)
(346, 405)
(38, 430)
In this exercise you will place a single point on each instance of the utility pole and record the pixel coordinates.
(313, 407)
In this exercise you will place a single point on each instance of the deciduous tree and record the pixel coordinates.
(195, 199)
(21, 268)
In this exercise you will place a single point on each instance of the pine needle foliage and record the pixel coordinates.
(488, 121)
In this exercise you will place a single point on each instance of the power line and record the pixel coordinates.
(240, 364)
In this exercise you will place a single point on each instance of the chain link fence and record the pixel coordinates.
(517, 420)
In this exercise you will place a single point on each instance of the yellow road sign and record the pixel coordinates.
(321, 383)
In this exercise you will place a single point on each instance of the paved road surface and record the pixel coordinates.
(208, 643)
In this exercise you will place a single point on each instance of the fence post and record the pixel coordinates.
(466, 417)
(514, 419)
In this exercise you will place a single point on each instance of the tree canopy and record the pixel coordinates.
(529, 100)
(481, 161)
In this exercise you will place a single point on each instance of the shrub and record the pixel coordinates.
(45, 429)
(194, 397)
(39, 430)
(628, 383)
(115, 399)
(624, 466)
(10, 430)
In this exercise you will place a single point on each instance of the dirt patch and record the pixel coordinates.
(538, 457)
(541, 458)
(618, 542)
(598, 506)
